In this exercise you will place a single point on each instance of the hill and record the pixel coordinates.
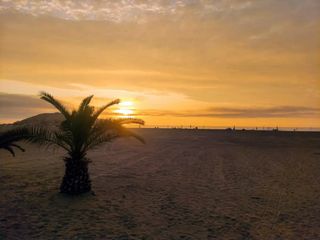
(43, 119)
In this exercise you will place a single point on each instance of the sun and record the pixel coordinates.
(126, 104)
(126, 109)
(125, 112)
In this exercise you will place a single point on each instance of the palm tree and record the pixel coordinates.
(9, 138)
(80, 131)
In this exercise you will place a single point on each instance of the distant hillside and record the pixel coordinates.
(43, 119)
(48, 120)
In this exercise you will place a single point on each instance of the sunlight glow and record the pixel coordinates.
(126, 108)
(124, 111)
(126, 103)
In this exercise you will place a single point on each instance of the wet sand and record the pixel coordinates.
(183, 184)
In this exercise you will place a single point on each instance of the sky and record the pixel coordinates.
(201, 63)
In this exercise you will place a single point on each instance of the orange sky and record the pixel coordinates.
(213, 63)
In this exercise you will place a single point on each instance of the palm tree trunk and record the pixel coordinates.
(76, 179)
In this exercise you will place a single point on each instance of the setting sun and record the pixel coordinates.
(126, 103)
(126, 109)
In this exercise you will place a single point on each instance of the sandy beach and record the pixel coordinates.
(183, 184)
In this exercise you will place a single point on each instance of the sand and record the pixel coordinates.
(183, 184)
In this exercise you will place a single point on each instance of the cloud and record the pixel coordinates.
(17, 106)
(221, 53)
(257, 112)
(140, 11)
(118, 11)
(115, 11)
(20, 101)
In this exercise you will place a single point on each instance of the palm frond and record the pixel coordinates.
(108, 137)
(45, 137)
(8, 139)
(9, 149)
(64, 140)
(58, 105)
(129, 121)
(19, 147)
(109, 129)
(121, 131)
(85, 102)
(95, 142)
(101, 109)
(127, 133)
(13, 135)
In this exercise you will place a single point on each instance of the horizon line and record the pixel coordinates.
(204, 127)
